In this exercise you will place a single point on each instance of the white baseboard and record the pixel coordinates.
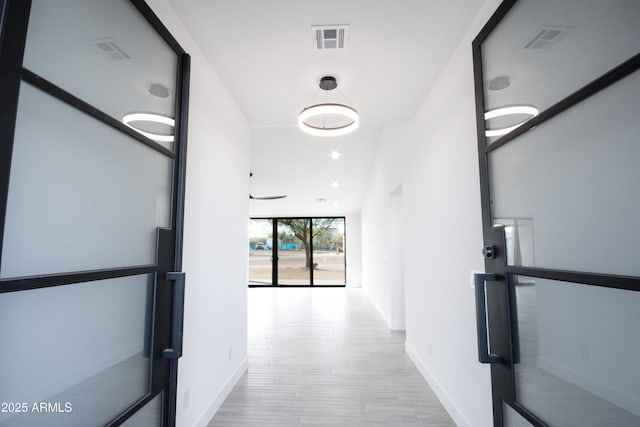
(210, 412)
(448, 404)
(624, 400)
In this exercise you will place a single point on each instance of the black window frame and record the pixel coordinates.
(274, 262)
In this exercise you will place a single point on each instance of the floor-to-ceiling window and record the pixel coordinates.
(297, 251)
(260, 252)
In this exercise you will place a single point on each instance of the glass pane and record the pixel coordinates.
(149, 416)
(82, 350)
(82, 196)
(519, 240)
(510, 418)
(260, 251)
(2, 9)
(108, 55)
(559, 182)
(579, 352)
(294, 251)
(328, 251)
(542, 51)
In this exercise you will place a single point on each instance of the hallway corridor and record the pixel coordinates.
(324, 357)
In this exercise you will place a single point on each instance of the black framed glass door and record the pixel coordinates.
(328, 251)
(556, 104)
(304, 252)
(293, 259)
(261, 252)
(91, 183)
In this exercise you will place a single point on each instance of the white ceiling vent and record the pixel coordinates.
(321, 200)
(328, 37)
(546, 37)
(110, 48)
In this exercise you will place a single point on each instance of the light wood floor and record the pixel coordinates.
(324, 357)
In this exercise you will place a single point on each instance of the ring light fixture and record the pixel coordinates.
(324, 109)
(128, 119)
(328, 83)
(508, 111)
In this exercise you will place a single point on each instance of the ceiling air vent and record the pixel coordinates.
(327, 37)
(321, 200)
(109, 48)
(545, 38)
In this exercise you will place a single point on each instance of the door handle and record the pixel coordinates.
(175, 352)
(481, 318)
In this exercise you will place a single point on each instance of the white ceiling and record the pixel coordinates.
(263, 51)
(287, 161)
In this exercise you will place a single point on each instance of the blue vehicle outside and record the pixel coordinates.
(259, 247)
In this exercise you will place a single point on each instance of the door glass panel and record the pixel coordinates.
(294, 251)
(82, 195)
(568, 189)
(149, 416)
(542, 51)
(510, 418)
(107, 54)
(2, 9)
(328, 251)
(82, 350)
(260, 251)
(579, 353)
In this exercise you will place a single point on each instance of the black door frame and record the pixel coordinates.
(500, 298)
(274, 261)
(168, 331)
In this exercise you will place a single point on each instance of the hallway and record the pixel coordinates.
(324, 356)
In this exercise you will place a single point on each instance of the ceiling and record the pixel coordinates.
(264, 53)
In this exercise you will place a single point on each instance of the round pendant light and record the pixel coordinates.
(129, 119)
(325, 109)
(527, 110)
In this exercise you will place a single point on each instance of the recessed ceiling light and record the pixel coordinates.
(499, 83)
(335, 155)
(335, 184)
(159, 90)
(336, 205)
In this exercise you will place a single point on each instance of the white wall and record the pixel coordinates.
(378, 247)
(434, 157)
(395, 261)
(353, 252)
(215, 240)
